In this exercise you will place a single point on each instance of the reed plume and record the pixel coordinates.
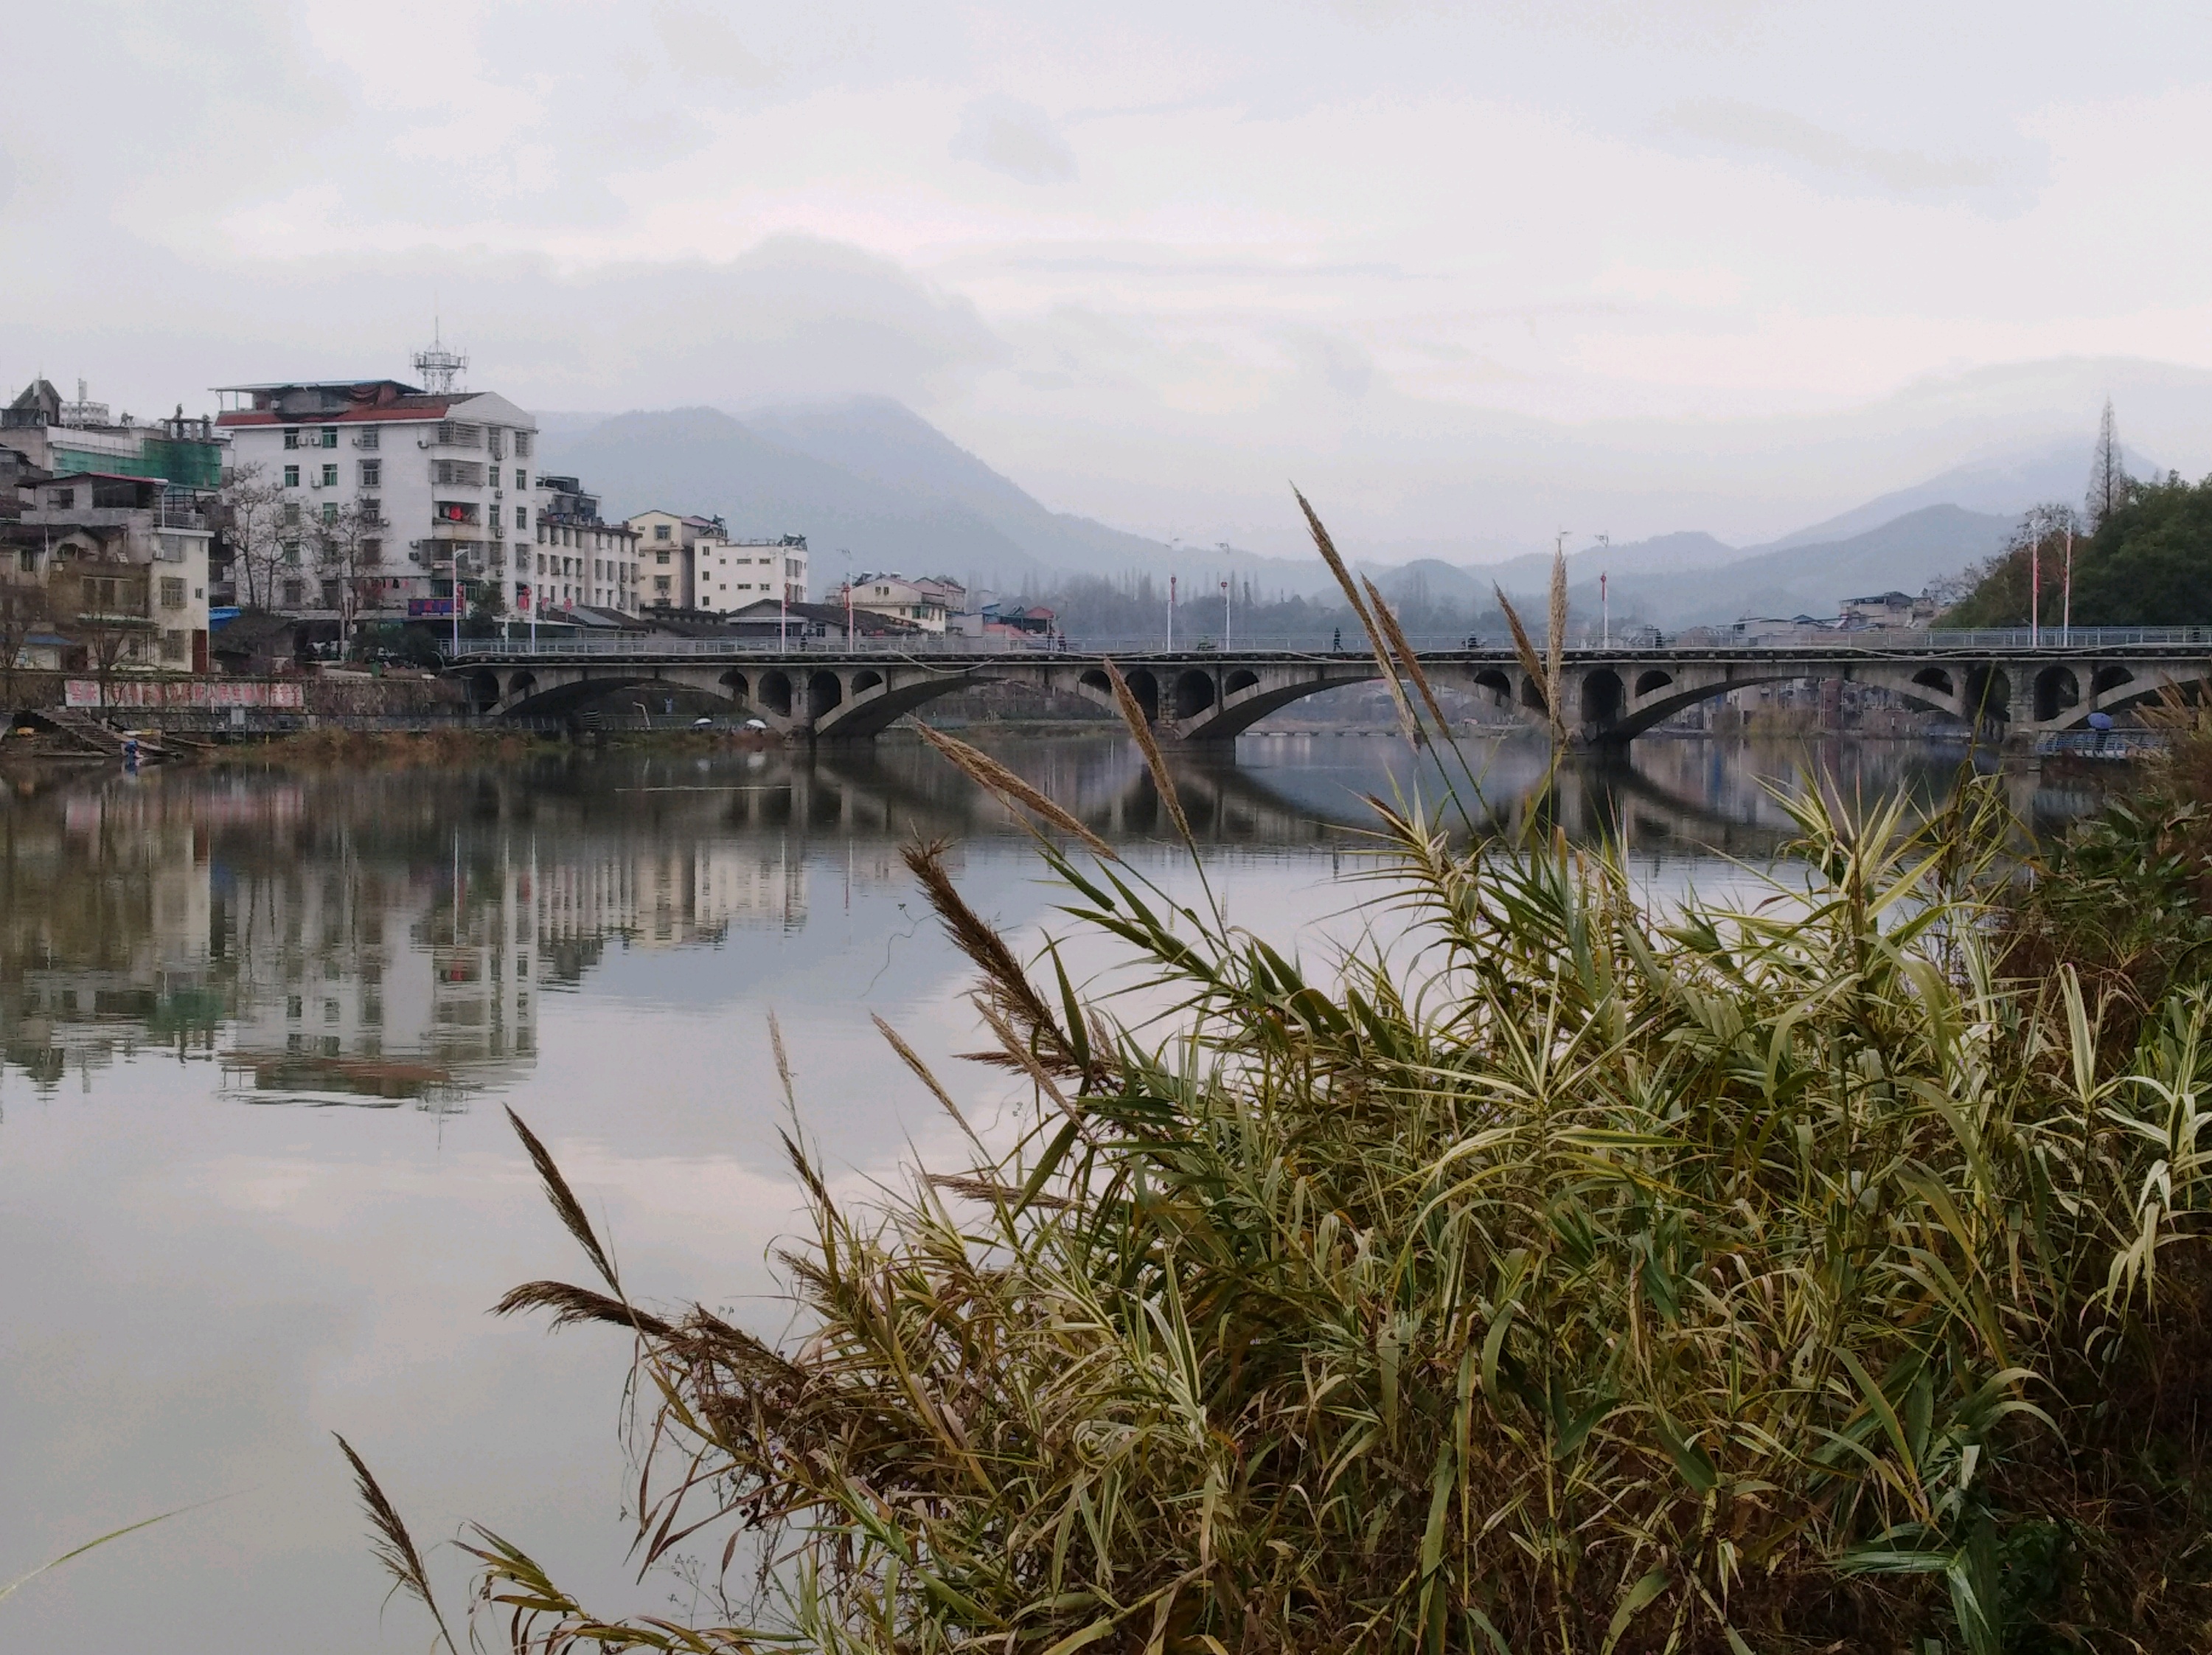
(1011, 790)
(1140, 730)
(1326, 547)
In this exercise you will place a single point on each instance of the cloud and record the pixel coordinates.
(702, 45)
(1014, 138)
(791, 317)
(1751, 129)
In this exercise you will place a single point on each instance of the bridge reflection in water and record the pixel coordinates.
(388, 938)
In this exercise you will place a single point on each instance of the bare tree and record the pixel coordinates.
(349, 551)
(23, 612)
(101, 603)
(253, 518)
(2108, 472)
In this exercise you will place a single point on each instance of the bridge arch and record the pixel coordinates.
(735, 684)
(775, 692)
(824, 689)
(1500, 686)
(2057, 688)
(1235, 714)
(874, 706)
(1194, 693)
(1603, 697)
(1652, 682)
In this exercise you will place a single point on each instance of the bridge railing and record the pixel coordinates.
(1872, 641)
(634, 646)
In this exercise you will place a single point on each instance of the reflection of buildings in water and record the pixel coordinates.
(105, 923)
(353, 984)
(654, 895)
(349, 938)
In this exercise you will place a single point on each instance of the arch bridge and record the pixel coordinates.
(1610, 697)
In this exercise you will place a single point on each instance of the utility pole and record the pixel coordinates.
(2066, 610)
(1171, 598)
(1225, 617)
(1604, 605)
(2034, 579)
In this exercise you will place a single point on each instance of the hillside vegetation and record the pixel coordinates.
(2147, 563)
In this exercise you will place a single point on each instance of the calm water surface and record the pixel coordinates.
(256, 1031)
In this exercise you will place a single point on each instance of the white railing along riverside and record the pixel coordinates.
(1935, 641)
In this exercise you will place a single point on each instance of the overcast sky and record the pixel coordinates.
(1467, 273)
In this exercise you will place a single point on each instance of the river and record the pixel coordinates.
(256, 1029)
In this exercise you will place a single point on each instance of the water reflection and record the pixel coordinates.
(391, 939)
(201, 1290)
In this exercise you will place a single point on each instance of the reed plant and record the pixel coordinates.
(1561, 1276)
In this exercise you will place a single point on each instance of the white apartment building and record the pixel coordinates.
(728, 575)
(446, 475)
(580, 558)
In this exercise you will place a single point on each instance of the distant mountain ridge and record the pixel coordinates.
(870, 483)
(866, 476)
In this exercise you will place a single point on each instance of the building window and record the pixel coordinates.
(173, 594)
(369, 439)
(330, 436)
(372, 473)
(372, 551)
(660, 533)
(291, 512)
(522, 517)
(291, 477)
(330, 511)
(176, 646)
(521, 478)
(291, 439)
(522, 445)
(60, 499)
(372, 509)
(295, 593)
(329, 477)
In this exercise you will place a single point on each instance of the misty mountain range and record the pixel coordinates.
(870, 483)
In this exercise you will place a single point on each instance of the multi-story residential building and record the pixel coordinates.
(108, 518)
(433, 485)
(730, 574)
(581, 559)
(122, 564)
(928, 603)
(668, 577)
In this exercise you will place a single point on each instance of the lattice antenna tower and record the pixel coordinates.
(440, 369)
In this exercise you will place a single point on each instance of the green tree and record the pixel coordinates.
(2148, 564)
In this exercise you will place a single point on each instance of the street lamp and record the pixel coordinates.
(1604, 605)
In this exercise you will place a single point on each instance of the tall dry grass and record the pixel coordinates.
(1571, 1278)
